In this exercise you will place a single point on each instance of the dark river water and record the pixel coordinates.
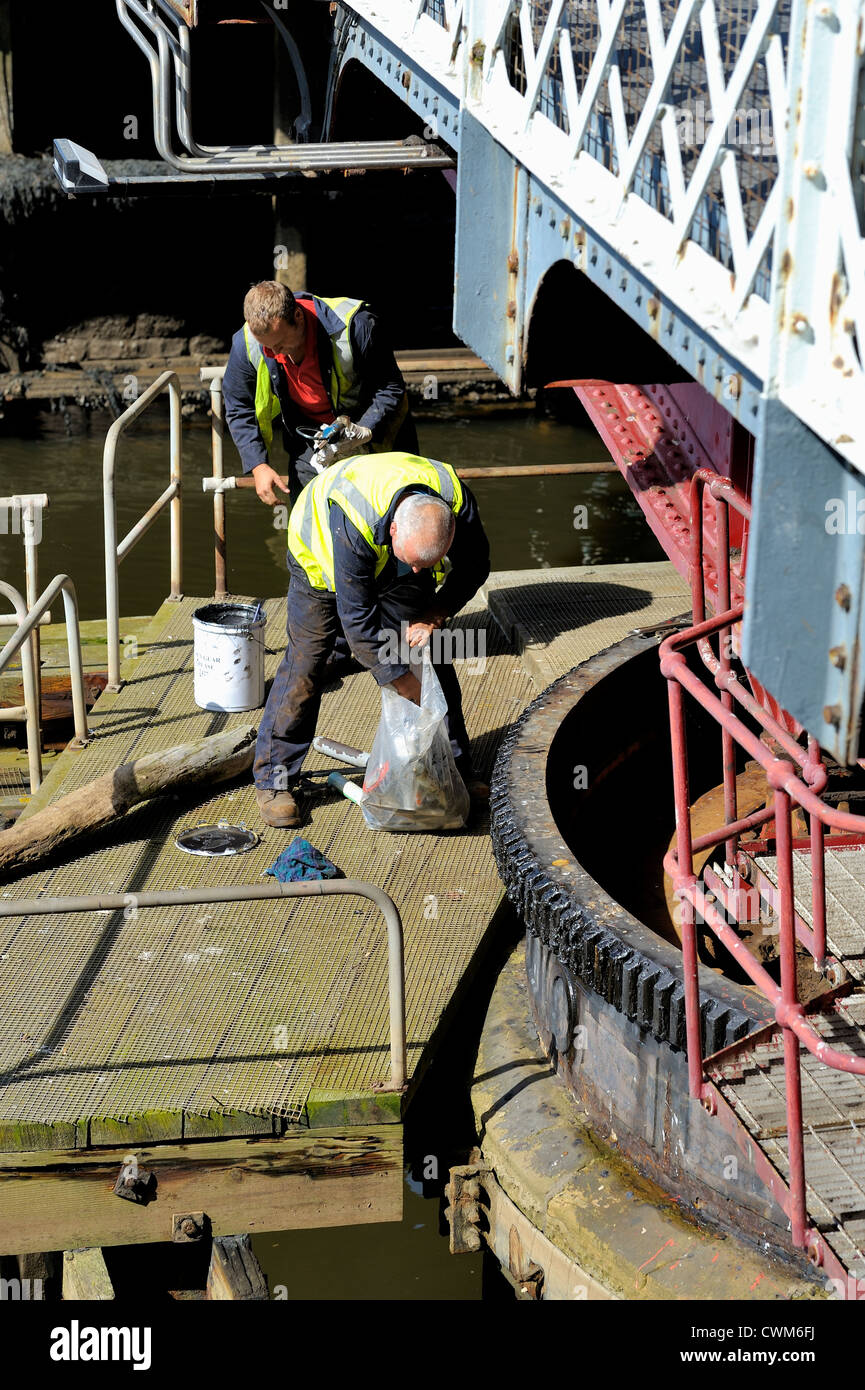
(530, 523)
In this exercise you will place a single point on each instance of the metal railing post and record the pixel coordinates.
(725, 639)
(685, 879)
(31, 590)
(29, 617)
(76, 664)
(173, 494)
(217, 444)
(112, 597)
(176, 445)
(25, 508)
(816, 835)
(31, 689)
(790, 1001)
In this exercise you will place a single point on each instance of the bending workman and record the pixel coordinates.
(365, 543)
(312, 362)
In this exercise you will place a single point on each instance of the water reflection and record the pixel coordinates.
(532, 523)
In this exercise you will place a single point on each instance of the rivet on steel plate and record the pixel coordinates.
(838, 656)
(843, 597)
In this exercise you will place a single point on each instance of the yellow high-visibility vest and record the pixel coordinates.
(364, 487)
(344, 386)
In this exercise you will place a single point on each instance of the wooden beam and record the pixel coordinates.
(43, 1271)
(235, 1272)
(85, 1275)
(304, 1180)
(206, 761)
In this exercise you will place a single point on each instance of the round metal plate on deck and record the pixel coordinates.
(216, 839)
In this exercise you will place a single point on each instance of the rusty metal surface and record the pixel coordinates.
(187, 9)
(651, 432)
(845, 900)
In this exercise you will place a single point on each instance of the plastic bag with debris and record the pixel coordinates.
(411, 780)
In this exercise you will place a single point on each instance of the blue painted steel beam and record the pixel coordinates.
(422, 93)
(805, 589)
(511, 229)
(502, 212)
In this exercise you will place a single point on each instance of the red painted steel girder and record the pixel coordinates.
(659, 436)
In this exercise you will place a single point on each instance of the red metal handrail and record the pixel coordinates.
(795, 782)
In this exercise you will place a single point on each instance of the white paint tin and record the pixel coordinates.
(228, 651)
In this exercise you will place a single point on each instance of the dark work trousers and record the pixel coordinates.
(290, 716)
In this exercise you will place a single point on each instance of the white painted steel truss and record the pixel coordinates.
(662, 127)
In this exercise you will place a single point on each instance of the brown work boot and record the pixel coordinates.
(277, 808)
(478, 791)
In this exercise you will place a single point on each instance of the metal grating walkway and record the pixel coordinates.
(564, 618)
(204, 1018)
(172, 1022)
(833, 1112)
(845, 900)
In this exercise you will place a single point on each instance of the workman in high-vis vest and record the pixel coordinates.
(299, 365)
(367, 541)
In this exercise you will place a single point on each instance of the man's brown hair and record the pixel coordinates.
(266, 301)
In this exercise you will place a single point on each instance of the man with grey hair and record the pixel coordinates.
(366, 542)
(423, 527)
(305, 361)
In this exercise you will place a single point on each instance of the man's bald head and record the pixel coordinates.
(422, 530)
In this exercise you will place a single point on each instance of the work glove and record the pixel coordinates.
(341, 444)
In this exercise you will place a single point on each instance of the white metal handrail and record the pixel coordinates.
(168, 59)
(26, 509)
(27, 623)
(213, 376)
(115, 552)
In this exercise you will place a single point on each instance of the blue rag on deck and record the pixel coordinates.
(300, 860)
